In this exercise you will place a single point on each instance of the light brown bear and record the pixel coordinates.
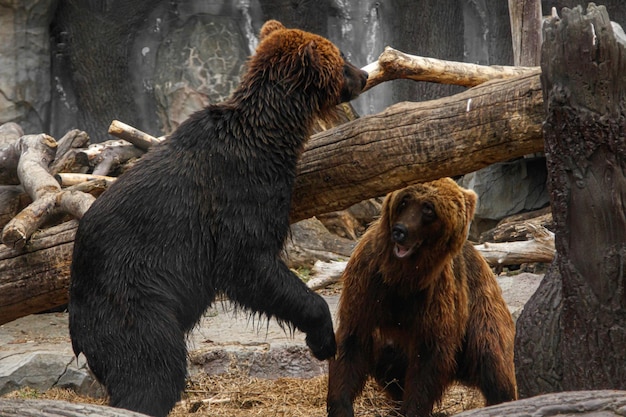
(420, 307)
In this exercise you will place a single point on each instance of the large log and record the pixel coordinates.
(576, 403)
(572, 332)
(20, 407)
(412, 142)
(36, 278)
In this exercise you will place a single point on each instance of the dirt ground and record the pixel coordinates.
(236, 395)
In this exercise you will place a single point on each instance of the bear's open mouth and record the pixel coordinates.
(401, 251)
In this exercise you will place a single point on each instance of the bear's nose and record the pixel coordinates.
(364, 78)
(399, 233)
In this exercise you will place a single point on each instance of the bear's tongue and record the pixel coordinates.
(401, 251)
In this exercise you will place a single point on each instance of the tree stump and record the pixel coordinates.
(572, 333)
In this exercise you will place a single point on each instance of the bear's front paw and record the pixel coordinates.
(322, 343)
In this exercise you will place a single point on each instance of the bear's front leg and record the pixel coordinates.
(271, 288)
(347, 374)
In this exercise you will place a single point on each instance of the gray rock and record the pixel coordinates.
(25, 63)
(43, 370)
(507, 188)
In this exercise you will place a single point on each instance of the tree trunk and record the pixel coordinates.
(572, 334)
(99, 36)
(525, 17)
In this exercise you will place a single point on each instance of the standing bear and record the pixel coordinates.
(204, 213)
(420, 307)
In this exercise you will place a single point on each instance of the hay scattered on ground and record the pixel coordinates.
(237, 395)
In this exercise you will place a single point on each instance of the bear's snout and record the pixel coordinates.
(399, 233)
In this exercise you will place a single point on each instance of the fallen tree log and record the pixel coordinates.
(413, 142)
(606, 403)
(19, 407)
(36, 278)
(138, 138)
(539, 248)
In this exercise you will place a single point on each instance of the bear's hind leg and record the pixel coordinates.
(497, 382)
(145, 368)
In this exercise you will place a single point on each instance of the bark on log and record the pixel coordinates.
(516, 227)
(585, 94)
(107, 156)
(69, 179)
(50, 408)
(413, 142)
(66, 160)
(36, 278)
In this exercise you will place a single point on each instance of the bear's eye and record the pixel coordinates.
(428, 212)
(403, 203)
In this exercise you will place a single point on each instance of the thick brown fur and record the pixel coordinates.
(420, 307)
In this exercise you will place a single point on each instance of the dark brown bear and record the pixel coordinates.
(420, 307)
(205, 213)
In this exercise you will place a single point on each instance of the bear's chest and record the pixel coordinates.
(402, 312)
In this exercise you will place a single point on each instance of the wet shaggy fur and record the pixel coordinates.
(420, 307)
(203, 213)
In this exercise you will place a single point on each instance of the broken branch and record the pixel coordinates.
(393, 64)
(138, 138)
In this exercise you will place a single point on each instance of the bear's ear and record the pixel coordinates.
(269, 27)
(387, 207)
(471, 199)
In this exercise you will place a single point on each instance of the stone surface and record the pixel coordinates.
(509, 188)
(25, 63)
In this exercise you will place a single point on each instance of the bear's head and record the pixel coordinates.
(301, 64)
(427, 224)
